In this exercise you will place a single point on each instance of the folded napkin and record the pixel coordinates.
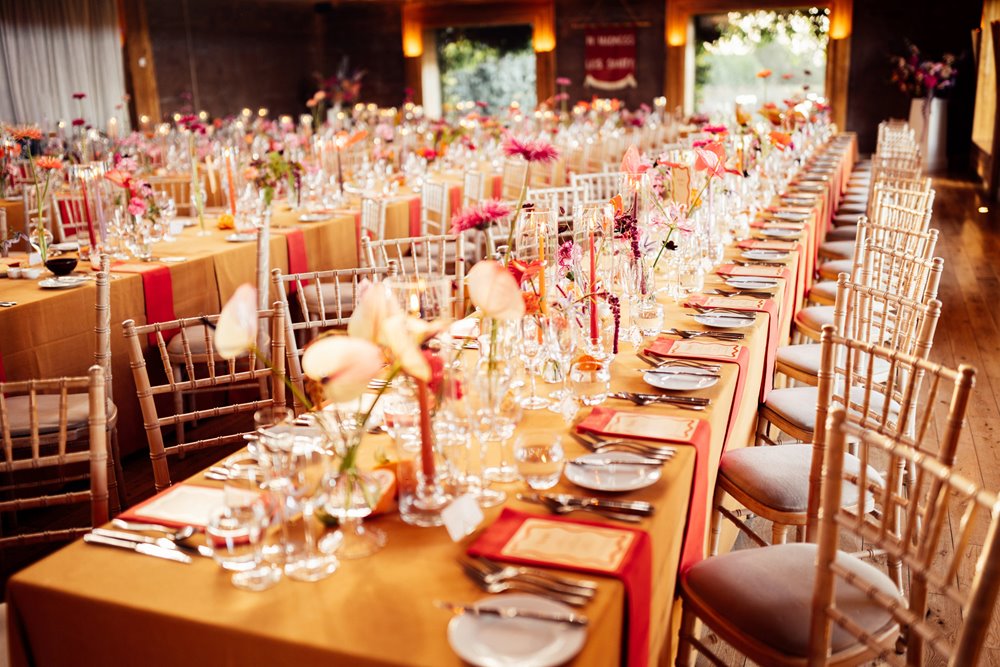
(756, 305)
(702, 350)
(583, 546)
(688, 431)
(158, 291)
(754, 244)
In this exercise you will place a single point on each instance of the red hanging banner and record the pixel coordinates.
(609, 58)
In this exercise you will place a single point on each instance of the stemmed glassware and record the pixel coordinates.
(533, 351)
(561, 333)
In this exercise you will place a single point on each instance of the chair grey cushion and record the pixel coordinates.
(830, 270)
(849, 219)
(842, 233)
(196, 343)
(778, 476)
(797, 405)
(825, 289)
(767, 594)
(77, 413)
(814, 317)
(806, 359)
(837, 249)
(857, 208)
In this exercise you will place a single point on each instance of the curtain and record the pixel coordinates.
(51, 49)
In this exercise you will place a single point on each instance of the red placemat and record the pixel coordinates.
(709, 351)
(158, 291)
(695, 432)
(755, 305)
(754, 271)
(755, 244)
(583, 546)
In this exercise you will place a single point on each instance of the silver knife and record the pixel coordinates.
(632, 506)
(511, 612)
(138, 547)
(615, 462)
(199, 549)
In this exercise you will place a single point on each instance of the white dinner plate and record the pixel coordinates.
(612, 477)
(793, 200)
(491, 641)
(62, 282)
(810, 187)
(751, 283)
(314, 217)
(69, 246)
(725, 320)
(790, 216)
(780, 232)
(762, 255)
(241, 238)
(679, 382)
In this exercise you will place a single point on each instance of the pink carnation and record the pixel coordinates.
(136, 206)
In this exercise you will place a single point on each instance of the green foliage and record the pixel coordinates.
(475, 71)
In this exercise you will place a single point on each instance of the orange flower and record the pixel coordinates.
(49, 163)
(532, 306)
(22, 132)
(781, 140)
(344, 140)
(764, 73)
(616, 201)
(742, 117)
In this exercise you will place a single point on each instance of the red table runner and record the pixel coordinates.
(297, 260)
(518, 537)
(158, 290)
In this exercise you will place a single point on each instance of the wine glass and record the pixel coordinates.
(533, 352)
(561, 332)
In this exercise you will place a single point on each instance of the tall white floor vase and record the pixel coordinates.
(931, 129)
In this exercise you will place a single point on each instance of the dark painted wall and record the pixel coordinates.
(245, 53)
(650, 47)
(370, 35)
(880, 29)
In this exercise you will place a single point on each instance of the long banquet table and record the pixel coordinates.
(111, 607)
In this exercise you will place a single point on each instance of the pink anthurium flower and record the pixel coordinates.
(710, 158)
(495, 291)
(632, 164)
(375, 306)
(343, 365)
(236, 330)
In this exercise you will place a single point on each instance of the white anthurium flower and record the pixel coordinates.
(375, 305)
(344, 365)
(494, 290)
(402, 336)
(236, 330)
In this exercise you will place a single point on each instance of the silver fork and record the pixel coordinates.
(503, 571)
(480, 578)
(739, 292)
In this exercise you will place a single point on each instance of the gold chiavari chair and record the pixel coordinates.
(561, 200)
(435, 215)
(423, 257)
(890, 270)
(889, 211)
(513, 179)
(39, 469)
(882, 391)
(70, 218)
(819, 604)
(474, 185)
(373, 216)
(203, 373)
(912, 192)
(599, 187)
(325, 300)
(177, 188)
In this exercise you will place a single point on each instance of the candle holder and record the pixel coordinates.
(593, 232)
(422, 494)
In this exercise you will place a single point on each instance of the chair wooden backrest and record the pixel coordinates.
(423, 256)
(36, 474)
(373, 215)
(177, 188)
(70, 217)
(599, 187)
(3, 232)
(201, 372)
(901, 401)
(474, 183)
(435, 214)
(326, 300)
(561, 200)
(950, 541)
(899, 272)
(515, 171)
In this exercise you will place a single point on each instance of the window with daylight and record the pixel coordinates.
(759, 56)
(495, 65)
